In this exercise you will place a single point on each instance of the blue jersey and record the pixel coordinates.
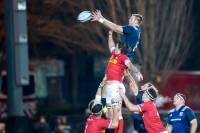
(131, 36)
(180, 119)
(138, 100)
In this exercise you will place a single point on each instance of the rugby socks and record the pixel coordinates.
(121, 125)
(113, 130)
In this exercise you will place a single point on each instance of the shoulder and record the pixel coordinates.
(171, 111)
(186, 108)
(123, 56)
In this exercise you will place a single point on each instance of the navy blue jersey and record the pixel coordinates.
(138, 100)
(180, 119)
(131, 36)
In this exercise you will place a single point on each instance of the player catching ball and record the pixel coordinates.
(131, 36)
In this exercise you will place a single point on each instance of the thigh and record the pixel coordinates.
(114, 92)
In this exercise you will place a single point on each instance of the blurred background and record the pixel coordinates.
(67, 59)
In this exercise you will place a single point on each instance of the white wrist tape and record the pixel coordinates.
(98, 98)
(101, 20)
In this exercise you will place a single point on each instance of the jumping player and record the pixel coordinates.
(131, 32)
(131, 36)
(148, 110)
(96, 124)
(114, 73)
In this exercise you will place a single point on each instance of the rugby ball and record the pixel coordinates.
(84, 16)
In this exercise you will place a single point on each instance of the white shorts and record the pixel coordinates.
(113, 90)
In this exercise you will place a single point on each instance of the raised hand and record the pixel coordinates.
(96, 15)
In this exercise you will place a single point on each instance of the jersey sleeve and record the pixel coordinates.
(169, 122)
(189, 114)
(103, 123)
(127, 29)
(125, 59)
(112, 49)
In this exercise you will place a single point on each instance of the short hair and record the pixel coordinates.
(125, 49)
(95, 107)
(138, 17)
(181, 96)
(152, 92)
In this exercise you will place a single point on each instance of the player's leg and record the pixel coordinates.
(109, 108)
(117, 100)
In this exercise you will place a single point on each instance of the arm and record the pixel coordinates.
(115, 119)
(190, 116)
(129, 105)
(96, 16)
(169, 128)
(193, 126)
(99, 90)
(110, 40)
(135, 70)
(131, 82)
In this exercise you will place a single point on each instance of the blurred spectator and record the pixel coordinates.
(62, 125)
(42, 126)
(2, 128)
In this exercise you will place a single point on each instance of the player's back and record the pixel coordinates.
(96, 124)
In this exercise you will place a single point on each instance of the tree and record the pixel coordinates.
(167, 36)
(166, 32)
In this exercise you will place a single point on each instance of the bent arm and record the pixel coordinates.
(131, 82)
(135, 70)
(132, 67)
(128, 104)
(193, 126)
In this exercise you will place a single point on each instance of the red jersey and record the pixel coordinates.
(96, 124)
(151, 118)
(116, 66)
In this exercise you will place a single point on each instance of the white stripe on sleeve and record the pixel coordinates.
(111, 49)
(127, 61)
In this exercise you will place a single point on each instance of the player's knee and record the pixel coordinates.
(116, 104)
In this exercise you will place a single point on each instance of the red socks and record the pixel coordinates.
(121, 126)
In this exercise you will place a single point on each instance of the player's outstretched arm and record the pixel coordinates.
(128, 104)
(96, 16)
